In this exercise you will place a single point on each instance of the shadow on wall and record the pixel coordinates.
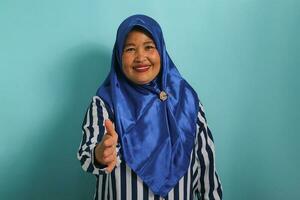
(56, 173)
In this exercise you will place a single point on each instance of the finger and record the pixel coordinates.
(109, 159)
(109, 142)
(111, 166)
(110, 127)
(109, 151)
(108, 136)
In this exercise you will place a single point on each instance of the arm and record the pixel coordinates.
(209, 184)
(93, 130)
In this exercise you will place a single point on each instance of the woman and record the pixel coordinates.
(145, 134)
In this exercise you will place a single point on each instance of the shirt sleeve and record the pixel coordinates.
(209, 185)
(93, 130)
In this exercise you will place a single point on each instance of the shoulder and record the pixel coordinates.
(100, 104)
(98, 101)
(201, 118)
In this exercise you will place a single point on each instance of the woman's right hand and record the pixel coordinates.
(105, 151)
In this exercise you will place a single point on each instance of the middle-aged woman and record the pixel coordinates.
(145, 134)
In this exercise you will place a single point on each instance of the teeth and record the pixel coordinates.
(141, 68)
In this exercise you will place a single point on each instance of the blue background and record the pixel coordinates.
(241, 56)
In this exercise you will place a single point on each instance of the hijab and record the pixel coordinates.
(156, 131)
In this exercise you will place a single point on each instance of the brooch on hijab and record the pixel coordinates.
(163, 96)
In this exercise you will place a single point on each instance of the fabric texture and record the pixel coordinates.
(201, 179)
(156, 136)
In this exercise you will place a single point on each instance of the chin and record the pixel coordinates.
(141, 82)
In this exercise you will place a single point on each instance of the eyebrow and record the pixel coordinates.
(132, 44)
(147, 42)
(129, 44)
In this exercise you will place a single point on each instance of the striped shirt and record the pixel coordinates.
(200, 181)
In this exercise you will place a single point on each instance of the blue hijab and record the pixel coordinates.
(156, 136)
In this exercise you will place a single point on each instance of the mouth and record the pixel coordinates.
(141, 68)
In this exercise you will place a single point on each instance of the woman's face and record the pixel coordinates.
(140, 58)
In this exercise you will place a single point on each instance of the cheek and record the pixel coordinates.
(126, 62)
(156, 60)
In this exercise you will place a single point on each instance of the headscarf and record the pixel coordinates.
(156, 135)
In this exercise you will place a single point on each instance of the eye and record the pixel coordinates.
(129, 49)
(149, 47)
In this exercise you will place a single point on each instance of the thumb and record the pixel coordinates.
(109, 127)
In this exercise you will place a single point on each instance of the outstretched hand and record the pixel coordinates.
(105, 152)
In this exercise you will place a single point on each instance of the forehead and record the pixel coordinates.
(138, 32)
(137, 36)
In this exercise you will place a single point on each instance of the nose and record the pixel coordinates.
(140, 55)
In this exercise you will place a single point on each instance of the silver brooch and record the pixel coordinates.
(163, 96)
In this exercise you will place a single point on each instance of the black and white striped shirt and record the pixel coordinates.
(201, 179)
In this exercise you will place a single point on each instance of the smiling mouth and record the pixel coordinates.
(141, 68)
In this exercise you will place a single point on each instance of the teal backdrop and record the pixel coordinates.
(241, 56)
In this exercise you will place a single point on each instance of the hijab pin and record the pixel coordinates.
(163, 96)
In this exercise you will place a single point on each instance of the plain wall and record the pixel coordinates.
(241, 56)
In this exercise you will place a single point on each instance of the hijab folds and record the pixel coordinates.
(156, 134)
